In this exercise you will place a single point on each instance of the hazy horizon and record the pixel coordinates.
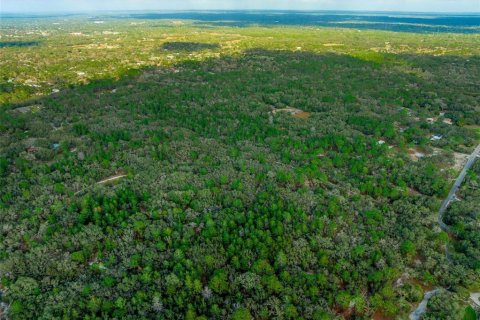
(69, 6)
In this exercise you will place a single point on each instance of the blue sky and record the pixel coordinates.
(378, 5)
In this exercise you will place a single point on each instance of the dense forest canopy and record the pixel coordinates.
(173, 169)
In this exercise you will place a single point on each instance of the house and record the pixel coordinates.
(475, 297)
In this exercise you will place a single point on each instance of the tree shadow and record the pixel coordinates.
(9, 44)
(311, 82)
(188, 46)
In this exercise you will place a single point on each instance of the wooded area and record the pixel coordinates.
(224, 209)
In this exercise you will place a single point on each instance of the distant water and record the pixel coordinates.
(389, 21)
(401, 22)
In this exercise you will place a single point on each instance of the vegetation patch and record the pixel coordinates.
(188, 46)
(236, 211)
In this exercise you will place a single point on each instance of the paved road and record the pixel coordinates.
(422, 307)
(456, 185)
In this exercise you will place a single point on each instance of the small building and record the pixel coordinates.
(475, 298)
(436, 137)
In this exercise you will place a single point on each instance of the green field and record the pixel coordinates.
(170, 170)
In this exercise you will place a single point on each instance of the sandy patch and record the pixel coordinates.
(113, 178)
(379, 315)
(33, 109)
(460, 160)
(110, 32)
(95, 46)
(472, 126)
(296, 113)
(302, 115)
(413, 192)
(230, 44)
(415, 154)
